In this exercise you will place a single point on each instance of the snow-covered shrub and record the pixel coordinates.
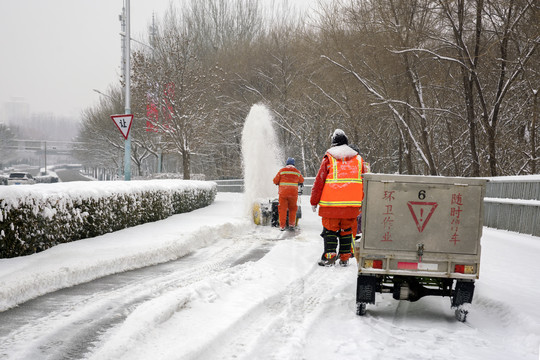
(35, 218)
(177, 176)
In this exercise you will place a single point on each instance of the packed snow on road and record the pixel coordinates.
(212, 285)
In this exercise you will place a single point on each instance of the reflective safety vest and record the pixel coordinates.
(343, 185)
(286, 176)
(288, 179)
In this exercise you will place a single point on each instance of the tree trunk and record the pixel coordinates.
(452, 150)
(492, 151)
(471, 122)
(533, 132)
(400, 156)
(427, 147)
(186, 165)
(467, 73)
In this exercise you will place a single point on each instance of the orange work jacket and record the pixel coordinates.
(343, 185)
(288, 179)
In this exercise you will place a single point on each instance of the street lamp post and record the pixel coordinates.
(127, 143)
(126, 33)
(103, 94)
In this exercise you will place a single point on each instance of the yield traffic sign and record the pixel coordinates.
(421, 212)
(123, 123)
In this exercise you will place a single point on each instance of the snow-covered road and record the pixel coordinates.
(72, 319)
(232, 290)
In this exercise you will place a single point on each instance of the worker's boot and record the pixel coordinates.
(344, 259)
(345, 247)
(329, 255)
(328, 259)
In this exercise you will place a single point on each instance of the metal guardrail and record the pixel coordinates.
(514, 188)
(511, 203)
(237, 185)
(519, 216)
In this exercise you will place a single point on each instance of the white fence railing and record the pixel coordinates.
(511, 203)
(237, 185)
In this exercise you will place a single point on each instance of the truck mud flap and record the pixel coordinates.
(366, 286)
(463, 293)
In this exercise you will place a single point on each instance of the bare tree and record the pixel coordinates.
(387, 27)
(497, 24)
(421, 86)
(100, 145)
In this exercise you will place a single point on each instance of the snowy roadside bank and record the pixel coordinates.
(65, 265)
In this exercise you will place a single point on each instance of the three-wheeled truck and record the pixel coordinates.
(420, 236)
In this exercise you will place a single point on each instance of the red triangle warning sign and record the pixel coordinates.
(123, 123)
(421, 212)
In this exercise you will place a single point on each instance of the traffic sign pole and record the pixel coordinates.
(127, 143)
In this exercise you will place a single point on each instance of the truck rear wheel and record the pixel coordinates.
(360, 309)
(461, 314)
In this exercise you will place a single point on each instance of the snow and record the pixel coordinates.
(513, 201)
(260, 155)
(516, 178)
(338, 132)
(68, 191)
(249, 292)
(342, 152)
(281, 306)
(26, 277)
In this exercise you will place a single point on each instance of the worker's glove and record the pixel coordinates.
(314, 208)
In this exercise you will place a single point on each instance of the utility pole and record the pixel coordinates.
(45, 158)
(126, 67)
(153, 47)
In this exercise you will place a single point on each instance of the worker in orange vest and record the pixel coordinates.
(338, 192)
(288, 179)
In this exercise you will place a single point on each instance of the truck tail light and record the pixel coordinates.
(464, 269)
(373, 264)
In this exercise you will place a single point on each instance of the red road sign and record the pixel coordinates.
(421, 212)
(123, 123)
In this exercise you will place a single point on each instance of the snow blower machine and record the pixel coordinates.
(265, 211)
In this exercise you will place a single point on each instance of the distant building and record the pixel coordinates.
(15, 112)
(39, 138)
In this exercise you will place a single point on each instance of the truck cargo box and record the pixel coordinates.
(418, 231)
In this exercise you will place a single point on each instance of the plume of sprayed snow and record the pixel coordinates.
(260, 155)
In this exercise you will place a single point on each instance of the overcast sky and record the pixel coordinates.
(54, 52)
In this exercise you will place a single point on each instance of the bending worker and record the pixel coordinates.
(339, 193)
(288, 179)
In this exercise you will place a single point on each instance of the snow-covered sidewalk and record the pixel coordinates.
(281, 306)
(73, 263)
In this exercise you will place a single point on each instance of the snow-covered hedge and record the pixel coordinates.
(36, 217)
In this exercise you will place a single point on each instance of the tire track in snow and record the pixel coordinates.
(67, 323)
(276, 327)
(426, 329)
